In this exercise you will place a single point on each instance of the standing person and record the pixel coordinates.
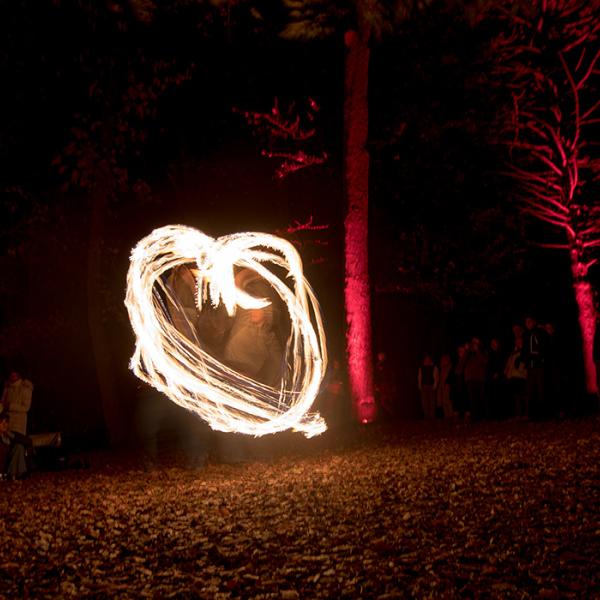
(475, 372)
(444, 399)
(385, 384)
(331, 399)
(534, 356)
(552, 373)
(428, 379)
(460, 401)
(16, 400)
(516, 381)
(495, 379)
(518, 333)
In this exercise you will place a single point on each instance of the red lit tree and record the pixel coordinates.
(362, 21)
(549, 56)
(357, 291)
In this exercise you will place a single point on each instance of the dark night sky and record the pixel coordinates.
(434, 177)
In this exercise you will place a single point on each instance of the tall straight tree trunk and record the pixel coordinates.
(356, 179)
(100, 345)
(584, 297)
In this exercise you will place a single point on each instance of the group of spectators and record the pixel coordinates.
(521, 381)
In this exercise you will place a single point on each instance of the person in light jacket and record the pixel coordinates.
(16, 400)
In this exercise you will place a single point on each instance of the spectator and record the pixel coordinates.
(385, 384)
(495, 377)
(16, 400)
(428, 379)
(443, 396)
(518, 333)
(331, 399)
(533, 357)
(552, 373)
(516, 380)
(475, 372)
(460, 401)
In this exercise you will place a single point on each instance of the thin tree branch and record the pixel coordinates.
(575, 91)
(589, 71)
(308, 226)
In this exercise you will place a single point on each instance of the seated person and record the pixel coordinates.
(12, 451)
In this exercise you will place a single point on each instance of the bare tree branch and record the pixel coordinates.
(288, 135)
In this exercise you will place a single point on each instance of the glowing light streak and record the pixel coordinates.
(184, 370)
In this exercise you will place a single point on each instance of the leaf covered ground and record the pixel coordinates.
(507, 510)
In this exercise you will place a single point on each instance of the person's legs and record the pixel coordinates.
(428, 402)
(151, 411)
(4, 455)
(446, 402)
(194, 438)
(471, 398)
(474, 395)
(232, 448)
(17, 466)
(483, 401)
(519, 390)
(460, 397)
(542, 393)
(530, 397)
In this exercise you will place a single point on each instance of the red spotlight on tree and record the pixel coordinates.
(549, 58)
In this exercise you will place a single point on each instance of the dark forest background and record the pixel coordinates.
(123, 116)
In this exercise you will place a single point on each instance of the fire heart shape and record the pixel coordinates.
(171, 354)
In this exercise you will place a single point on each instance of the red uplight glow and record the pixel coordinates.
(357, 287)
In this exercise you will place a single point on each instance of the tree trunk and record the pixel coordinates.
(100, 343)
(587, 322)
(356, 179)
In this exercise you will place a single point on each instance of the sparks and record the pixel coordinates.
(178, 363)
